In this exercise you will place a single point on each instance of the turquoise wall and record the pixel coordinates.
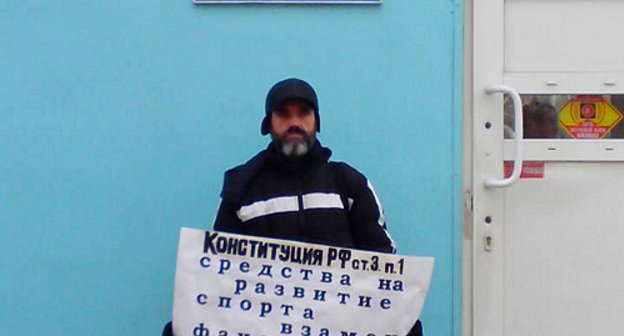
(118, 118)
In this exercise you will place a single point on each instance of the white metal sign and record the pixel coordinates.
(286, 2)
(234, 285)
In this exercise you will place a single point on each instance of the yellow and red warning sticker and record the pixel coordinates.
(589, 117)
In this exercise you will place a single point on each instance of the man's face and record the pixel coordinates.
(293, 127)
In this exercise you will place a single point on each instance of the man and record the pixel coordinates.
(291, 191)
(541, 121)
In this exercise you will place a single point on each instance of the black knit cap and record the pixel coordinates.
(291, 88)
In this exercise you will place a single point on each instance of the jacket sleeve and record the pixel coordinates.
(168, 329)
(366, 217)
(227, 220)
(233, 185)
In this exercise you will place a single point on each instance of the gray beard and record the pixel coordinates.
(295, 149)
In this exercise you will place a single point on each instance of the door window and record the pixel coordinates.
(567, 116)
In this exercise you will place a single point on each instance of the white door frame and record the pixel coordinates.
(487, 135)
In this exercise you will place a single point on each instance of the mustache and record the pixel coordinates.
(296, 130)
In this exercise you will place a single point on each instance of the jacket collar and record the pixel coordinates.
(238, 179)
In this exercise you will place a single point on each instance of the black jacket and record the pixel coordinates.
(308, 199)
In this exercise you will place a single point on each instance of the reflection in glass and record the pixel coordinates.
(548, 116)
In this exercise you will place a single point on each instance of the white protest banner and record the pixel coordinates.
(231, 285)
